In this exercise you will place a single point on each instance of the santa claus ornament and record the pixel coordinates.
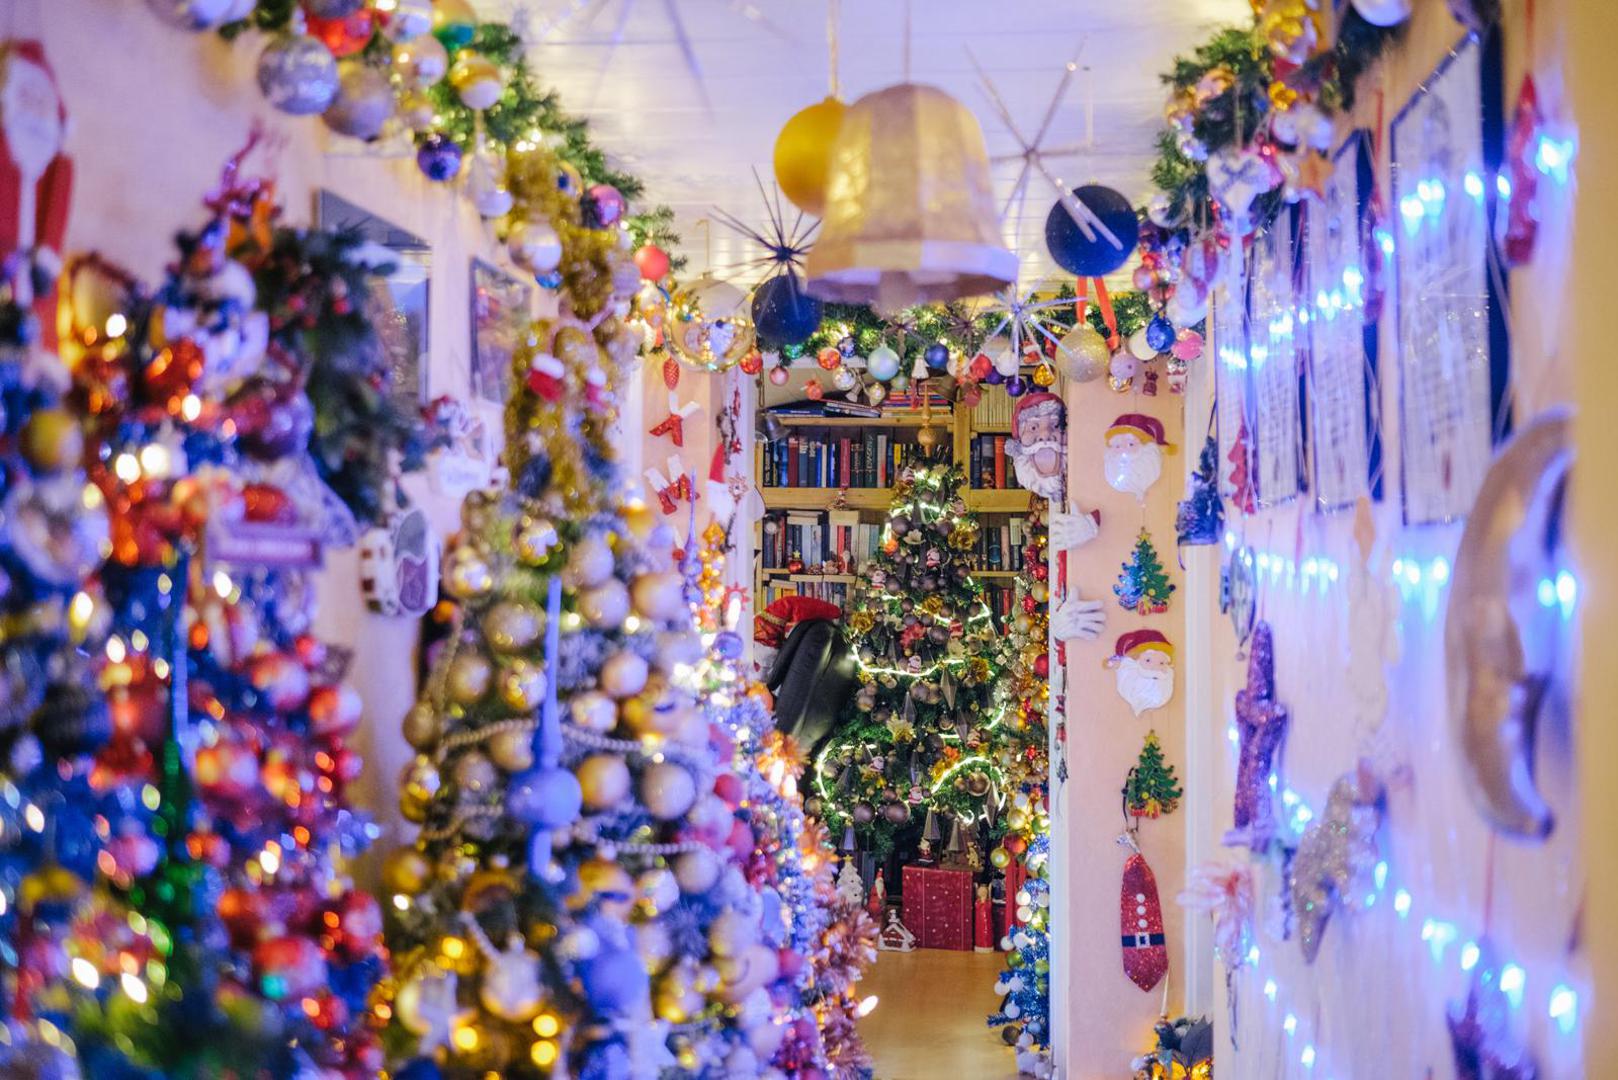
(36, 176)
(1133, 459)
(1140, 920)
(1143, 662)
(1038, 444)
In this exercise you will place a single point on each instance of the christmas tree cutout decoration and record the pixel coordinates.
(1152, 789)
(1144, 585)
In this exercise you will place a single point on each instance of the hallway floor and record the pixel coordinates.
(928, 1022)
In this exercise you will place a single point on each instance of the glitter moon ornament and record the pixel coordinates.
(477, 81)
(883, 363)
(803, 154)
(364, 102)
(1083, 354)
(297, 74)
(421, 63)
(535, 247)
(1092, 256)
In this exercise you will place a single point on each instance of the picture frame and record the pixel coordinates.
(500, 311)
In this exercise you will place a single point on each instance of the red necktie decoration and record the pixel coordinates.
(1140, 920)
(670, 492)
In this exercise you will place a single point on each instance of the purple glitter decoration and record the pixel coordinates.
(1261, 724)
(1479, 1029)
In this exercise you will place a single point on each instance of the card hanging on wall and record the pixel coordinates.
(1272, 368)
(1451, 331)
(1228, 312)
(1342, 338)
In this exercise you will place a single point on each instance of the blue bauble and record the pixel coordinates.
(1016, 386)
(1160, 334)
(783, 313)
(535, 476)
(1076, 253)
(994, 378)
(846, 347)
(937, 356)
(545, 798)
(615, 982)
(883, 363)
(438, 157)
(552, 280)
(418, 1069)
(728, 644)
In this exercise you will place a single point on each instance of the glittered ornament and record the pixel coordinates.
(1140, 916)
(813, 390)
(438, 157)
(1261, 725)
(783, 312)
(297, 74)
(1159, 334)
(467, 575)
(1335, 864)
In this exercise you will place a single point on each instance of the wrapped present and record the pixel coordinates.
(938, 906)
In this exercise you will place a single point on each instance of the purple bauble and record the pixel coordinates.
(545, 798)
(728, 644)
(439, 158)
(1016, 386)
(994, 378)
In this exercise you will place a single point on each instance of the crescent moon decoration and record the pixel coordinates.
(1503, 646)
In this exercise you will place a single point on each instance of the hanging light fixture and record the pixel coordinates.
(909, 215)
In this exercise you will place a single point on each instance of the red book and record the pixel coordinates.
(792, 461)
(842, 471)
(938, 907)
(999, 462)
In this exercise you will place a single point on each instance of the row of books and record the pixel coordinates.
(829, 460)
(833, 592)
(988, 467)
(813, 539)
(1000, 546)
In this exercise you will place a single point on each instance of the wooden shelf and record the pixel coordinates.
(997, 500)
(905, 419)
(781, 572)
(817, 498)
(994, 573)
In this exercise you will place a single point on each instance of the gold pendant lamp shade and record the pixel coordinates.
(909, 213)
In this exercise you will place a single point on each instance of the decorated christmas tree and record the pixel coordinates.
(1024, 1017)
(914, 736)
(1144, 585)
(1152, 789)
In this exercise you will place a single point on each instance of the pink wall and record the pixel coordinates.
(1107, 1018)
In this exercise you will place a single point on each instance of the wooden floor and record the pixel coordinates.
(928, 1022)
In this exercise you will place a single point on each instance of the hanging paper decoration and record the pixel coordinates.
(1506, 649)
(1143, 663)
(1238, 592)
(1144, 585)
(1273, 371)
(1240, 477)
(905, 221)
(1199, 518)
(1228, 893)
(1152, 789)
(1261, 726)
(1140, 921)
(668, 490)
(1335, 865)
(1133, 460)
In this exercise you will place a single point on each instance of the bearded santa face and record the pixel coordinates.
(1038, 449)
(1145, 681)
(1132, 465)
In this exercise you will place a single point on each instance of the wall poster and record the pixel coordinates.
(1272, 353)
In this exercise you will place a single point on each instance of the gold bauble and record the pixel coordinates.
(513, 751)
(604, 879)
(1043, 375)
(803, 154)
(624, 674)
(522, 685)
(536, 541)
(418, 785)
(593, 711)
(477, 81)
(1000, 857)
(420, 63)
(676, 999)
(604, 780)
(1016, 820)
(513, 625)
(415, 110)
(589, 563)
(658, 596)
(474, 773)
(467, 575)
(468, 677)
(606, 605)
(421, 726)
(1083, 354)
(406, 871)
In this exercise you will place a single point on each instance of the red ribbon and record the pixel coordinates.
(1109, 318)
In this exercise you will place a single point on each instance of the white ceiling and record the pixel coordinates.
(696, 141)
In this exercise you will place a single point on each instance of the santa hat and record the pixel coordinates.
(1032, 401)
(1137, 642)
(771, 626)
(1146, 428)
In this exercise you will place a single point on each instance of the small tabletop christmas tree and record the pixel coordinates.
(1152, 788)
(1144, 585)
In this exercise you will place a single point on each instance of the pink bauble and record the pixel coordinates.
(1187, 345)
(779, 375)
(652, 261)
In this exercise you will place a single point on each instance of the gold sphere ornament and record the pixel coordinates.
(420, 63)
(593, 711)
(1016, 820)
(474, 773)
(513, 625)
(468, 678)
(1044, 375)
(589, 563)
(605, 606)
(477, 81)
(406, 872)
(522, 685)
(536, 541)
(513, 751)
(803, 154)
(604, 780)
(657, 888)
(658, 596)
(624, 674)
(1083, 354)
(418, 786)
(1000, 858)
(421, 726)
(928, 438)
(468, 576)
(599, 877)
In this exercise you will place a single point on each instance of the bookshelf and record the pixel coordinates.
(831, 507)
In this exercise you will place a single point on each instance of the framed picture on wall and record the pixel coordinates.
(500, 315)
(400, 297)
(1272, 363)
(1452, 345)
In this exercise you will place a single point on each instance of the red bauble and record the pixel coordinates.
(1029, 604)
(334, 710)
(345, 36)
(266, 504)
(243, 912)
(1014, 844)
(358, 919)
(779, 375)
(652, 261)
(1042, 665)
(174, 372)
(227, 770)
(829, 358)
(813, 390)
(752, 363)
(728, 786)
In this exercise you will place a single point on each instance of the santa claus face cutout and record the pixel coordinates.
(1134, 456)
(1038, 445)
(1143, 662)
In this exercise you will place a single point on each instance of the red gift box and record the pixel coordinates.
(938, 906)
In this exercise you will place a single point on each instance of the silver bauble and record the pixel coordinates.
(298, 74)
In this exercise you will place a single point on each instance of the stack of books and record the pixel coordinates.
(833, 459)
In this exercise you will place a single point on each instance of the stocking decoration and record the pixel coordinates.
(1261, 724)
(673, 425)
(1140, 919)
